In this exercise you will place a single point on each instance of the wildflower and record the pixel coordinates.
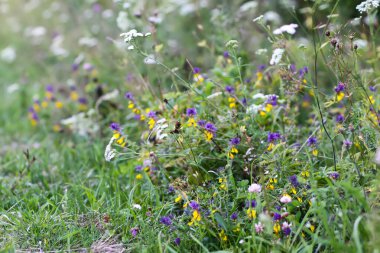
(201, 123)
(305, 173)
(82, 103)
(178, 199)
(286, 228)
(191, 112)
(291, 29)
(210, 131)
(276, 228)
(230, 89)
(302, 72)
(58, 104)
(115, 126)
(339, 118)
(74, 94)
(285, 199)
(195, 217)
(136, 206)
(293, 180)
(129, 96)
(339, 89)
(194, 205)
(276, 56)
(177, 241)
(109, 153)
(232, 102)
(134, 231)
(198, 78)
(152, 119)
(276, 216)
(57, 128)
(311, 141)
(251, 203)
(234, 216)
(166, 220)
(272, 137)
(49, 91)
(272, 100)
(254, 188)
(259, 228)
(226, 54)
(251, 213)
(223, 236)
(131, 35)
(139, 176)
(334, 175)
(368, 5)
(372, 88)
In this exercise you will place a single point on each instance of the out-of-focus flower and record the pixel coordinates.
(254, 188)
(8, 54)
(276, 56)
(368, 5)
(259, 227)
(291, 29)
(166, 220)
(285, 199)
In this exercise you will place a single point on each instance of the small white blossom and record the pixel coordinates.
(136, 206)
(8, 54)
(110, 153)
(150, 59)
(368, 5)
(276, 56)
(258, 19)
(291, 29)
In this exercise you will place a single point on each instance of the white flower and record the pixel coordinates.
(150, 59)
(136, 206)
(254, 188)
(368, 5)
(291, 29)
(129, 36)
(110, 153)
(131, 47)
(259, 18)
(261, 51)
(276, 56)
(285, 199)
(8, 54)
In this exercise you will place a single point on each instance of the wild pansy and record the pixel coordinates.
(117, 134)
(166, 220)
(73, 93)
(209, 128)
(198, 78)
(196, 215)
(33, 116)
(233, 150)
(312, 142)
(49, 92)
(152, 119)
(82, 103)
(272, 138)
(191, 113)
(339, 90)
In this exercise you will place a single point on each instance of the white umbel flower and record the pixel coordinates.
(110, 153)
(368, 5)
(8, 54)
(276, 56)
(254, 188)
(291, 29)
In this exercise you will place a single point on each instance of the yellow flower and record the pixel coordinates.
(131, 105)
(276, 228)
(259, 76)
(232, 152)
(58, 104)
(36, 107)
(48, 95)
(232, 102)
(116, 135)
(44, 104)
(270, 187)
(191, 122)
(223, 236)
(198, 78)
(56, 128)
(237, 228)
(315, 152)
(262, 113)
(142, 117)
(136, 111)
(196, 215)
(371, 99)
(151, 123)
(293, 190)
(178, 199)
(33, 122)
(209, 135)
(312, 228)
(121, 142)
(270, 147)
(339, 96)
(139, 176)
(305, 173)
(251, 213)
(74, 95)
(268, 107)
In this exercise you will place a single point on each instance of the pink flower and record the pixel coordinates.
(254, 188)
(259, 228)
(285, 199)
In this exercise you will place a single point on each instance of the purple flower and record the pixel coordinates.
(82, 100)
(340, 87)
(339, 118)
(129, 96)
(334, 175)
(249, 204)
(244, 101)
(286, 228)
(134, 231)
(234, 216)
(194, 205)
(152, 114)
(235, 141)
(226, 54)
(230, 89)
(170, 189)
(294, 181)
(177, 241)
(97, 8)
(372, 88)
(88, 67)
(166, 220)
(210, 127)
(272, 99)
(261, 68)
(276, 216)
(197, 70)
(191, 112)
(138, 168)
(302, 72)
(49, 88)
(347, 144)
(201, 123)
(74, 67)
(311, 141)
(272, 137)
(115, 126)
(293, 68)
